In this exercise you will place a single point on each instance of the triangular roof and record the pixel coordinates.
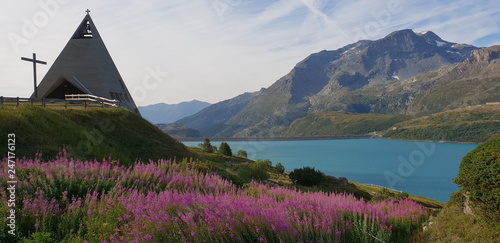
(86, 64)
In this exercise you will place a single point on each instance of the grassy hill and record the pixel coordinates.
(471, 124)
(338, 123)
(87, 133)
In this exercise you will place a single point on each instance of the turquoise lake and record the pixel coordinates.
(419, 168)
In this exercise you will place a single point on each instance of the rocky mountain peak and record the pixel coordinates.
(432, 38)
(484, 55)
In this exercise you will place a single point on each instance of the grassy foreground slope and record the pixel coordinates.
(470, 124)
(87, 133)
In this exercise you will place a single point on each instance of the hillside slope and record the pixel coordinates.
(87, 133)
(470, 124)
(339, 123)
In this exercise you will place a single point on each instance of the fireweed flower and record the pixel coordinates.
(148, 200)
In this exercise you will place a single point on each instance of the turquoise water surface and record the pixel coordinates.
(419, 168)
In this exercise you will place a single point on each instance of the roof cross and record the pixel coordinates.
(88, 11)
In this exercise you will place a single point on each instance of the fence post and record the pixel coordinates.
(1, 99)
(102, 102)
(31, 101)
(43, 102)
(17, 101)
(85, 103)
(65, 104)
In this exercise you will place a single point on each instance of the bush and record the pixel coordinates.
(307, 176)
(479, 175)
(280, 168)
(225, 149)
(242, 153)
(253, 171)
(457, 199)
(207, 146)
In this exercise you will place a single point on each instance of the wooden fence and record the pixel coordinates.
(78, 100)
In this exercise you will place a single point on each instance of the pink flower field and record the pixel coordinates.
(81, 201)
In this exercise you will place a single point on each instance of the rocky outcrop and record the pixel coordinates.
(484, 55)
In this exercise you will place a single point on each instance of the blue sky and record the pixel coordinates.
(212, 50)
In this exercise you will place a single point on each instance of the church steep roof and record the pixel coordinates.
(86, 63)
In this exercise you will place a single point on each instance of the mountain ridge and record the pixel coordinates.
(404, 73)
(168, 113)
(315, 83)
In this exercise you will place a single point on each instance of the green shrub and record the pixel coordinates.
(307, 176)
(253, 171)
(40, 237)
(207, 146)
(242, 153)
(457, 199)
(479, 175)
(225, 149)
(280, 168)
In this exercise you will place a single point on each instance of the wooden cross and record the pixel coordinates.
(34, 69)
(88, 11)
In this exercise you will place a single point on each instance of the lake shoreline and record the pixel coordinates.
(257, 139)
(223, 139)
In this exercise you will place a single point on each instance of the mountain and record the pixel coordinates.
(355, 78)
(211, 120)
(166, 113)
(405, 73)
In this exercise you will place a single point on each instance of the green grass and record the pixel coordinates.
(87, 133)
(453, 225)
(338, 123)
(472, 124)
(375, 192)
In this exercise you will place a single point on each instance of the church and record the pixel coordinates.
(85, 67)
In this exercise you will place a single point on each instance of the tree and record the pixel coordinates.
(225, 149)
(206, 146)
(307, 176)
(280, 168)
(242, 153)
(479, 176)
